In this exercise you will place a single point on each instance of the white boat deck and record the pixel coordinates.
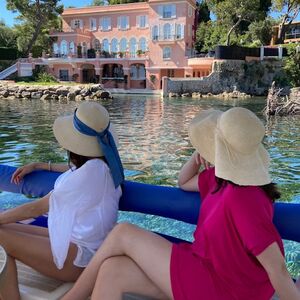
(35, 286)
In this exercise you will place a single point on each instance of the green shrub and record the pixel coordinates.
(9, 53)
(292, 66)
(45, 77)
(25, 79)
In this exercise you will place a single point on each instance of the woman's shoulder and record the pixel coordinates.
(93, 170)
(93, 165)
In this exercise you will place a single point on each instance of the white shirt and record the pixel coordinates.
(83, 208)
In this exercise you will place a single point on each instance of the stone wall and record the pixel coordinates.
(253, 78)
(54, 92)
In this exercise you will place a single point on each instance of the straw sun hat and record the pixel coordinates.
(232, 141)
(93, 115)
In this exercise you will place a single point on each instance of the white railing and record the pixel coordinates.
(10, 70)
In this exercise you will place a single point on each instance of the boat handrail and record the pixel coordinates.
(164, 201)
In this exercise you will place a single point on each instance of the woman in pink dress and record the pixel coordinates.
(237, 253)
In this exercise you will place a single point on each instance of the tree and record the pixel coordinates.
(290, 10)
(111, 2)
(98, 3)
(209, 35)
(233, 12)
(7, 36)
(203, 12)
(36, 15)
(260, 32)
(292, 66)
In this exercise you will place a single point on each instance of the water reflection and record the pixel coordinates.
(153, 144)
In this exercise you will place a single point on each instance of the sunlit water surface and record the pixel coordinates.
(153, 146)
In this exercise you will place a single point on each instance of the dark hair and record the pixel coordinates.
(270, 189)
(79, 160)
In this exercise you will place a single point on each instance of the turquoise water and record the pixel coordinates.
(153, 146)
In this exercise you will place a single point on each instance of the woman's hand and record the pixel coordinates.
(200, 160)
(19, 174)
(188, 175)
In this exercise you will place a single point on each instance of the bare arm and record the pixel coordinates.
(54, 167)
(19, 174)
(25, 211)
(274, 264)
(188, 175)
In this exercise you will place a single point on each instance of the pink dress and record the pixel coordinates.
(234, 226)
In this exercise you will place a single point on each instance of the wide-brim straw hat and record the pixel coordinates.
(232, 141)
(93, 115)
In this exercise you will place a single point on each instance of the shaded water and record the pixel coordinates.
(153, 146)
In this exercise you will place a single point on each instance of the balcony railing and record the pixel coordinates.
(115, 55)
(290, 36)
(166, 38)
(69, 29)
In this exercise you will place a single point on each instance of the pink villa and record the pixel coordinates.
(130, 46)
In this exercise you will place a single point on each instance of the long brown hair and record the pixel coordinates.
(270, 189)
(79, 160)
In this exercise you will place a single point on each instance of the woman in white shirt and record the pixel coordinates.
(82, 208)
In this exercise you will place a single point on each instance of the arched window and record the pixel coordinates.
(179, 31)
(132, 47)
(123, 45)
(143, 44)
(97, 45)
(114, 45)
(155, 33)
(72, 47)
(167, 31)
(55, 48)
(166, 52)
(64, 47)
(105, 45)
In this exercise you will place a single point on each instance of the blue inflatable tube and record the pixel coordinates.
(170, 202)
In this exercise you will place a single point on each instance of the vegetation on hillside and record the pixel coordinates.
(35, 18)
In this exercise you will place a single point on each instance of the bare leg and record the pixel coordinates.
(298, 283)
(32, 229)
(11, 280)
(126, 277)
(33, 250)
(149, 251)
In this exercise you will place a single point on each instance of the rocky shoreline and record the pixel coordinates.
(282, 105)
(225, 95)
(53, 92)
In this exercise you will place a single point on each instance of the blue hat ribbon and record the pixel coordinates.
(108, 146)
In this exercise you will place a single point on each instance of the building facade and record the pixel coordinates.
(131, 46)
(292, 34)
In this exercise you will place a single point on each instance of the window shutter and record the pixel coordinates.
(100, 23)
(182, 31)
(81, 24)
(160, 11)
(173, 10)
(146, 21)
(173, 30)
(127, 22)
(160, 31)
(138, 21)
(109, 23)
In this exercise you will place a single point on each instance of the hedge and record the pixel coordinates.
(9, 53)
